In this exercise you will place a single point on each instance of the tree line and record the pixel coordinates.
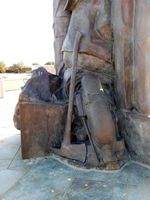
(16, 67)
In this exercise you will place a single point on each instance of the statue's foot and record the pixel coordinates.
(120, 149)
(112, 166)
(110, 160)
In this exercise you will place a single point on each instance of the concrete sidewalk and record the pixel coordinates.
(48, 179)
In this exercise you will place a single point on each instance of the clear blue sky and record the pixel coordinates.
(26, 31)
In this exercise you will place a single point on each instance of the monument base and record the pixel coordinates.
(42, 126)
(135, 128)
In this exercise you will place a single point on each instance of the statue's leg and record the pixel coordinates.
(99, 118)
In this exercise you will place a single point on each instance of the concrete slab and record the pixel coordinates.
(139, 175)
(19, 155)
(7, 152)
(10, 140)
(4, 164)
(94, 190)
(38, 187)
(138, 192)
(8, 178)
(120, 177)
(22, 165)
(54, 168)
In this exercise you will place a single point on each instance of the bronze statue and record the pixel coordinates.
(102, 64)
(95, 72)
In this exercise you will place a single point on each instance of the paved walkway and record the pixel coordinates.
(48, 179)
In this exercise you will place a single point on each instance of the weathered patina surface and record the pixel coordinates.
(102, 64)
(42, 126)
(132, 69)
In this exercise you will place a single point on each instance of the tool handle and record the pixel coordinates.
(67, 134)
(83, 116)
(80, 106)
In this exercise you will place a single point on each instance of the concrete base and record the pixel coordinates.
(135, 128)
(42, 126)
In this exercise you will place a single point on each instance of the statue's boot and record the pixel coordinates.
(99, 119)
(109, 158)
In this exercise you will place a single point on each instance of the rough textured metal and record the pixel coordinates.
(123, 23)
(136, 128)
(42, 126)
(142, 58)
(132, 72)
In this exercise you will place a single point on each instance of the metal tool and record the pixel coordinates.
(68, 150)
(91, 150)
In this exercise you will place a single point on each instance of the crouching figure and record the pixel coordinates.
(97, 126)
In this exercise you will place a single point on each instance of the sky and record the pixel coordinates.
(26, 33)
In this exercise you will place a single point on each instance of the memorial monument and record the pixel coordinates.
(95, 111)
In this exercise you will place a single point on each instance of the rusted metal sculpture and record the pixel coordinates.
(95, 76)
(105, 79)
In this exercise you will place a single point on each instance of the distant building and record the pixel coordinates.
(49, 68)
(25, 69)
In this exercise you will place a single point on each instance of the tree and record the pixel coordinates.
(3, 67)
(17, 67)
(35, 64)
(49, 63)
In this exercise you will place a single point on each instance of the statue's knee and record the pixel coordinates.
(90, 84)
(85, 79)
(105, 137)
(103, 129)
(96, 107)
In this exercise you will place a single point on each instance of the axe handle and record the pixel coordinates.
(67, 134)
(89, 136)
(83, 117)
